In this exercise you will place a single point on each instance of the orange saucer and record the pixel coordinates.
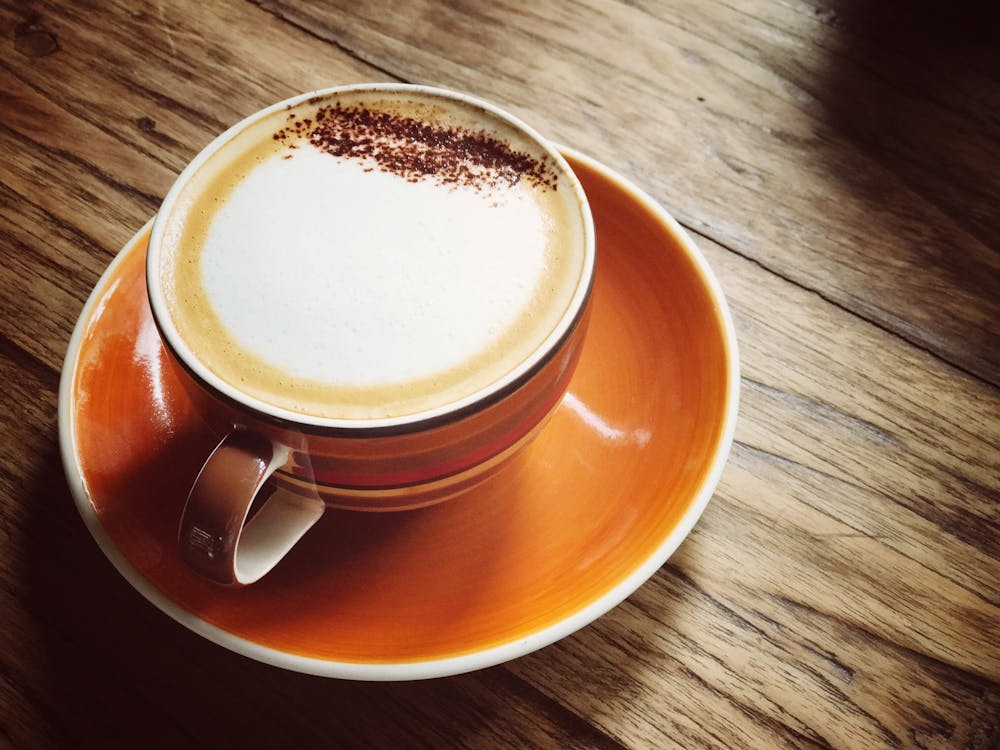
(590, 510)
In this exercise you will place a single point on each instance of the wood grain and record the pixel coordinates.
(838, 164)
(721, 114)
(818, 553)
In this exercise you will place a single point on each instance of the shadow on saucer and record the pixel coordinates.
(119, 673)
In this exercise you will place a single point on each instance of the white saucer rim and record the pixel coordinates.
(411, 670)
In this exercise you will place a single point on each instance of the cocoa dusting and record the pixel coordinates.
(417, 150)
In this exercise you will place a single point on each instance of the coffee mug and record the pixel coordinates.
(375, 295)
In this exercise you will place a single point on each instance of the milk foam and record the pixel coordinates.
(328, 286)
(362, 295)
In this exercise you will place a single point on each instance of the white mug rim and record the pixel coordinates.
(481, 397)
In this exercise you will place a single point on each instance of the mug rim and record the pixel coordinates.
(459, 408)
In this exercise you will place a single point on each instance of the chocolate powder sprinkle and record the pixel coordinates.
(416, 150)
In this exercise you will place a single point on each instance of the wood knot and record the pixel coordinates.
(32, 41)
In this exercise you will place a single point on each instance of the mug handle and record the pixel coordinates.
(215, 538)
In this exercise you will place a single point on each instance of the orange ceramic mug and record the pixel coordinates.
(376, 295)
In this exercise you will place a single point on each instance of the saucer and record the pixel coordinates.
(585, 514)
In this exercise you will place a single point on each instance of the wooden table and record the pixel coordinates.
(839, 166)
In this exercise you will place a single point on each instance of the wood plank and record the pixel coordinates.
(841, 590)
(844, 556)
(722, 110)
(676, 667)
(82, 172)
(95, 665)
(43, 288)
(158, 104)
(171, 76)
(87, 151)
(87, 662)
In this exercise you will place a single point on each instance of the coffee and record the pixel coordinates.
(372, 254)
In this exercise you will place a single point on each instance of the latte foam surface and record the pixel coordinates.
(361, 297)
(339, 286)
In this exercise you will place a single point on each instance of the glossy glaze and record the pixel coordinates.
(569, 527)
